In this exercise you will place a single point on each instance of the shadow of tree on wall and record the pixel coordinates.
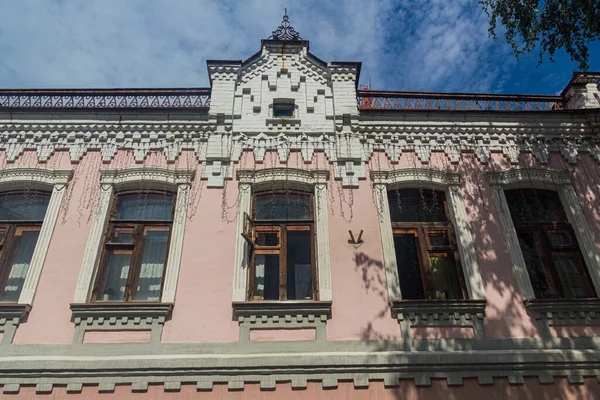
(506, 317)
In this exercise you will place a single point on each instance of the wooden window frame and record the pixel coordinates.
(135, 247)
(422, 231)
(541, 231)
(253, 227)
(547, 252)
(12, 230)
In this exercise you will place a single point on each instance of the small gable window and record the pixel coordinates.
(283, 108)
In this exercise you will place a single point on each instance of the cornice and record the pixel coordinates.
(277, 175)
(411, 175)
(41, 176)
(530, 175)
(126, 177)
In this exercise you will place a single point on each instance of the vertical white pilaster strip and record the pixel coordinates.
(466, 247)
(41, 248)
(240, 269)
(94, 245)
(323, 252)
(512, 242)
(176, 244)
(387, 243)
(583, 233)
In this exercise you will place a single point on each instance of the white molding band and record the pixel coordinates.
(387, 242)
(450, 182)
(559, 180)
(512, 242)
(112, 180)
(38, 178)
(275, 178)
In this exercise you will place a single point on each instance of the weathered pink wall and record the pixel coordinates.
(203, 310)
(531, 389)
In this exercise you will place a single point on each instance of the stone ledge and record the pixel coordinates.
(11, 315)
(440, 313)
(260, 312)
(548, 312)
(120, 316)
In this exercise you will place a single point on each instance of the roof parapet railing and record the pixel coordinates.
(24, 99)
(428, 101)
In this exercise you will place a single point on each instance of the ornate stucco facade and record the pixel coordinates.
(349, 148)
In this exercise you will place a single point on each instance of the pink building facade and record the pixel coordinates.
(284, 233)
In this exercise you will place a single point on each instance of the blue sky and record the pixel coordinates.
(426, 45)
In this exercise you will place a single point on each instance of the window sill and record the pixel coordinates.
(442, 313)
(11, 315)
(120, 316)
(549, 312)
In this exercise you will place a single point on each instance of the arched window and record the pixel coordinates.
(554, 262)
(21, 218)
(135, 247)
(282, 245)
(425, 246)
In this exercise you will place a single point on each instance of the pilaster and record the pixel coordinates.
(93, 245)
(466, 247)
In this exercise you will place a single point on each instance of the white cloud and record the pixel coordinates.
(424, 45)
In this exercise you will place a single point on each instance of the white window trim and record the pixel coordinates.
(112, 180)
(433, 179)
(54, 180)
(543, 178)
(276, 178)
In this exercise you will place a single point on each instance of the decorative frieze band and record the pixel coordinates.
(271, 364)
(394, 138)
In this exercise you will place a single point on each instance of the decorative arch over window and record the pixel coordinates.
(127, 231)
(30, 201)
(282, 225)
(426, 240)
(550, 245)
(541, 184)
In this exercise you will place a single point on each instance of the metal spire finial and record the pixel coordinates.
(285, 31)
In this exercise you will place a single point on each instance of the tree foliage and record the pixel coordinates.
(548, 25)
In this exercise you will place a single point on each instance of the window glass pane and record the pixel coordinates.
(439, 239)
(444, 282)
(299, 271)
(266, 280)
(23, 206)
(417, 205)
(149, 280)
(116, 276)
(283, 206)
(144, 206)
(559, 239)
(122, 235)
(409, 272)
(283, 111)
(18, 270)
(571, 277)
(267, 239)
(541, 287)
(534, 205)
